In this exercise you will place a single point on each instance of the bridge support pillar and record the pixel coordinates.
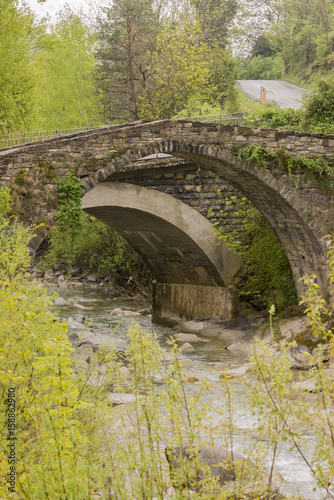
(173, 302)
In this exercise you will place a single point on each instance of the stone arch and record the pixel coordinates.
(177, 243)
(276, 197)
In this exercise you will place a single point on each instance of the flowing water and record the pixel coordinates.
(208, 359)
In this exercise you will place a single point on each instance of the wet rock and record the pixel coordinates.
(62, 283)
(79, 306)
(124, 312)
(59, 301)
(231, 336)
(145, 312)
(239, 349)
(187, 348)
(188, 337)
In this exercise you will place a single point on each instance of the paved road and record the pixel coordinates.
(286, 95)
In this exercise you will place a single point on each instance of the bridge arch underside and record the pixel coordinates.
(284, 205)
(178, 245)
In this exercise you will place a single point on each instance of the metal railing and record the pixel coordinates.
(225, 119)
(18, 139)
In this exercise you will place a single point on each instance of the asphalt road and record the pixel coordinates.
(286, 95)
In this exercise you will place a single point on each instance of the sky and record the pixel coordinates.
(51, 7)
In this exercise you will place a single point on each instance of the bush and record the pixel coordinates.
(266, 272)
(319, 108)
(275, 117)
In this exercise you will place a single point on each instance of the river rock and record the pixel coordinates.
(188, 337)
(124, 312)
(300, 356)
(239, 349)
(125, 372)
(62, 283)
(238, 372)
(219, 422)
(145, 312)
(187, 348)
(190, 377)
(121, 399)
(105, 341)
(49, 274)
(306, 385)
(192, 326)
(76, 318)
(292, 328)
(59, 301)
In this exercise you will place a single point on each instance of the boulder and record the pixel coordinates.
(238, 372)
(239, 349)
(59, 301)
(187, 348)
(190, 377)
(188, 337)
(192, 326)
(186, 465)
(300, 356)
(49, 274)
(105, 341)
(76, 318)
(306, 385)
(294, 327)
(121, 399)
(62, 283)
(124, 312)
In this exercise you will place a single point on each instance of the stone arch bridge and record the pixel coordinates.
(163, 205)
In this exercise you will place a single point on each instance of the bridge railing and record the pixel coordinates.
(19, 138)
(225, 119)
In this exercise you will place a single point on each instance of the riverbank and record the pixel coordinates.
(209, 352)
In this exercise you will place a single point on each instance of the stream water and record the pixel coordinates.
(208, 359)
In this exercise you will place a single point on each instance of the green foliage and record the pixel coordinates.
(253, 154)
(222, 77)
(67, 95)
(97, 248)
(126, 34)
(266, 270)
(318, 168)
(319, 108)
(261, 67)
(68, 215)
(181, 71)
(18, 75)
(276, 117)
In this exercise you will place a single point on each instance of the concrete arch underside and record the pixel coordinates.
(284, 205)
(177, 243)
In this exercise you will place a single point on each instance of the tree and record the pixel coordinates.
(215, 18)
(222, 76)
(181, 71)
(18, 76)
(67, 93)
(126, 41)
